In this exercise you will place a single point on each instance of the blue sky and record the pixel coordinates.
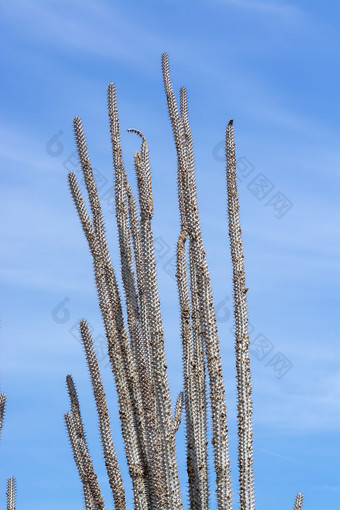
(273, 67)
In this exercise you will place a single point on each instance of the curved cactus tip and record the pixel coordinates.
(139, 133)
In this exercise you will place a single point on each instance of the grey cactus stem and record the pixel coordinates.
(199, 389)
(244, 390)
(118, 345)
(201, 281)
(112, 467)
(124, 204)
(191, 396)
(136, 234)
(11, 484)
(11, 493)
(156, 473)
(91, 491)
(298, 501)
(178, 412)
(141, 343)
(2, 409)
(143, 172)
(73, 438)
(121, 188)
(75, 408)
(186, 181)
(92, 494)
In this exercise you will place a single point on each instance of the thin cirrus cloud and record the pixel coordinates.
(275, 8)
(94, 32)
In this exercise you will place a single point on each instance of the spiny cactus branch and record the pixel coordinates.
(112, 467)
(91, 491)
(196, 449)
(2, 409)
(201, 295)
(244, 390)
(11, 489)
(159, 367)
(118, 345)
(177, 418)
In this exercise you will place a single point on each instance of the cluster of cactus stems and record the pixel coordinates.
(10, 493)
(136, 340)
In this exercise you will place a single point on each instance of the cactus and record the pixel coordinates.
(11, 484)
(245, 436)
(2, 409)
(10, 493)
(136, 346)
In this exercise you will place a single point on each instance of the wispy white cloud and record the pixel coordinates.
(26, 151)
(314, 407)
(275, 8)
(93, 29)
(294, 460)
(331, 488)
